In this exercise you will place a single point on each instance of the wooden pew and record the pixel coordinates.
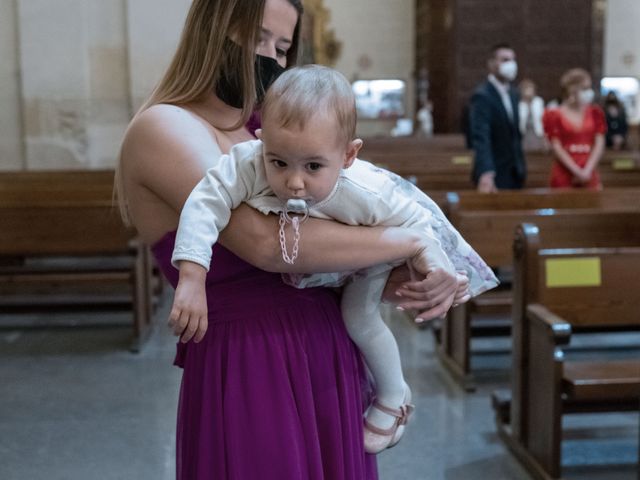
(582, 229)
(61, 234)
(488, 223)
(550, 303)
(452, 170)
(420, 150)
(446, 142)
(437, 165)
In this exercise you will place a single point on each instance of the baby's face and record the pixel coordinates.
(305, 163)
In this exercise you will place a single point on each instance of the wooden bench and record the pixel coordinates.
(488, 223)
(63, 245)
(581, 229)
(452, 170)
(440, 142)
(452, 149)
(438, 165)
(566, 290)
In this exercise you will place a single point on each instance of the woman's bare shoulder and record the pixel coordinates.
(165, 153)
(168, 133)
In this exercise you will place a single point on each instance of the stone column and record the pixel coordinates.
(55, 82)
(11, 146)
(154, 28)
(74, 82)
(110, 107)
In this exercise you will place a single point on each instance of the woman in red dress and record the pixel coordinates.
(576, 131)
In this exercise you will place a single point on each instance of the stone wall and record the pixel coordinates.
(378, 41)
(11, 143)
(74, 71)
(622, 39)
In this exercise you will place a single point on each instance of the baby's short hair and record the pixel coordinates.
(301, 92)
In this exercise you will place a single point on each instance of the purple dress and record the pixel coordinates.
(275, 389)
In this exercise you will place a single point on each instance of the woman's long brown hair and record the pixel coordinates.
(200, 57)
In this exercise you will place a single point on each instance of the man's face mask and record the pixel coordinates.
(508, 70)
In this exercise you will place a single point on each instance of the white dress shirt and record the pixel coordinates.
(503, 90)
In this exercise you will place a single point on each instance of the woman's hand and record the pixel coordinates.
(188, 317)
(431, 296)
(583, 175)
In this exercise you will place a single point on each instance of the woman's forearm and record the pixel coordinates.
(563, 157)
(325, 246)
(328, 246)
(596, 153)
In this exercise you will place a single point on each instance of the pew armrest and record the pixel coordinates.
(558, 330)
(135, 244)
(542, 399)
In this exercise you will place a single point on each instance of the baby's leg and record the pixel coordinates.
(361, 312)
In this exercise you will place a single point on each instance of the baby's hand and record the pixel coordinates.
(188, 317)
(462, 293)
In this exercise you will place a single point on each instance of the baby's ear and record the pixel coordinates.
(352, 152)
(259, 134)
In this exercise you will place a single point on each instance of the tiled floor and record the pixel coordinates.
(76, 405)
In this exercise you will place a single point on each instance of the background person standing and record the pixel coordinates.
(576, 131)
(495, 134)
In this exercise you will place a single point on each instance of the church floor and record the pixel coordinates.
(76, 405)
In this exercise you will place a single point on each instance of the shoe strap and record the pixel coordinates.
(402, 416)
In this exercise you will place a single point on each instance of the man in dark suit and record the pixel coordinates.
(495, 136)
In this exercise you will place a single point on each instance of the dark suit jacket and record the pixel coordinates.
(496, 140)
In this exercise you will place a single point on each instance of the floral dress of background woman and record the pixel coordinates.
(578, 140)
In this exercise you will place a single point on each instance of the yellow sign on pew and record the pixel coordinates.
(573, 272)
(623, 164)
(461, 160)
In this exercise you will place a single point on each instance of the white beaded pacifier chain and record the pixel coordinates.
(295, 206)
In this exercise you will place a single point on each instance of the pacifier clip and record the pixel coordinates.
(296, 206)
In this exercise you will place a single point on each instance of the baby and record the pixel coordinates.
(307, 154)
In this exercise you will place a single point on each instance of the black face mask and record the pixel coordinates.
(229, 88)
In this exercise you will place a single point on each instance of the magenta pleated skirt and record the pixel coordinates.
(276, 390)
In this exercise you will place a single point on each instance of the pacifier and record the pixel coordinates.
(297, 207)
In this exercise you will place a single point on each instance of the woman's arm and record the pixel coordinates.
(325, 246)
(167, 151)
(564, 158)
(595, 156)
